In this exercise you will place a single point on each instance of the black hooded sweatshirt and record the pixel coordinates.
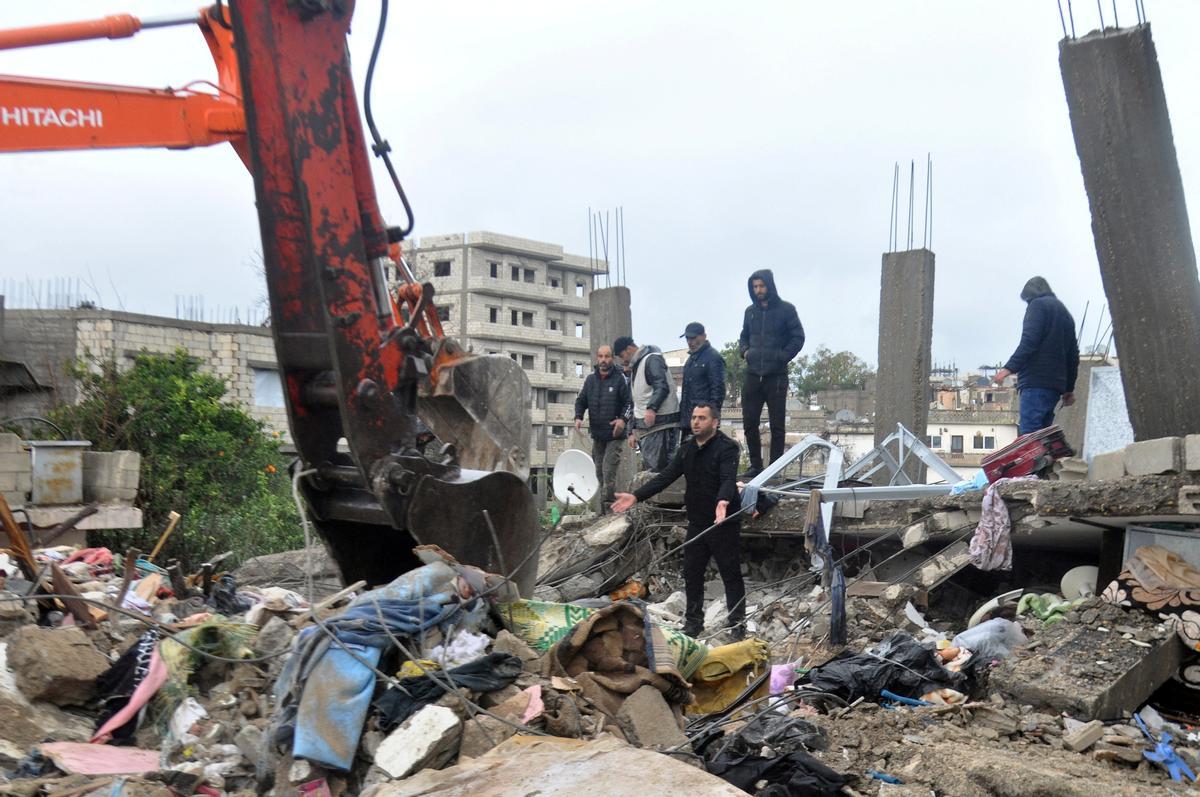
(771, 336)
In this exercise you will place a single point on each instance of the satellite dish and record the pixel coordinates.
(844, 416)
(574, 477)
(1079, 582)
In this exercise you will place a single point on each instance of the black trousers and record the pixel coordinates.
(772, 391)
(724, 544)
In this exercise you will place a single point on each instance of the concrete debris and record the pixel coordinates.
(1148, 457)
(427, 739)
(648, 721)
(1058, 707)
(56, 665)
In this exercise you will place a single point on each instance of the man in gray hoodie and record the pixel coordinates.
(771, 338)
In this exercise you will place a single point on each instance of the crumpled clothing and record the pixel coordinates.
(414, 602)
(98, 560)
(486, 674)
(900, 664)
(225, 598)
(1049, 607)
(1162, 584)
(991, 545)
(613, 653)
(796, 774)
(130, 683)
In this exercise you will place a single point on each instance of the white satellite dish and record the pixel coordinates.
(844, 416)
(575, 477)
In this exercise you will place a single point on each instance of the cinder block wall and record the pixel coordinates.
(16, 470)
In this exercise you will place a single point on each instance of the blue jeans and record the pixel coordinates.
(1037, 409)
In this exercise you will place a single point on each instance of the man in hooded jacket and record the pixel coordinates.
(1046, 361)
(771, 338)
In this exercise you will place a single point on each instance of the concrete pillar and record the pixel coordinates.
(1139, 220)
(905, 340)
(610, 317)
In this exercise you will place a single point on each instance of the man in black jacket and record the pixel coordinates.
(605, 398)
(708, 462)
(703, 374)
(1046, 361)
(771, 337)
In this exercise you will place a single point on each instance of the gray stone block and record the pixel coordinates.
(1191, 452)
(10, 443)
(1108, 466)
(648, 721)
(1148, 457)
(915, 535)
(18, 462)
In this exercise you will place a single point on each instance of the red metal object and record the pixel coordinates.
(114, 26)
(1028, 454)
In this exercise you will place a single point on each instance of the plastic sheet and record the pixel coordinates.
(900, 664)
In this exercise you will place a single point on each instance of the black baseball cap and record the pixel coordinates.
(692, 330)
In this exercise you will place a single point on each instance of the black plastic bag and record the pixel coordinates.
(485, 674)
(796, 774)
(901, 665)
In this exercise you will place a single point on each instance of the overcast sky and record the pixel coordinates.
(736, 136)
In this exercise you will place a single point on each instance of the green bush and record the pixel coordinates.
(201, 456)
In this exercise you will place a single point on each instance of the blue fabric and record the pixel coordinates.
(1037, 409)
(323, 724)
(1048, 355)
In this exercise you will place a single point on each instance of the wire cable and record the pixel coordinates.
(381, 147)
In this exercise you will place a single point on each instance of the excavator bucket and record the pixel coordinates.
(481, 405)
(484, 519)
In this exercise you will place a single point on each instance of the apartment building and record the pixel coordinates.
(528, 300)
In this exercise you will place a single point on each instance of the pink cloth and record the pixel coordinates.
(991, 546)
(155, 678)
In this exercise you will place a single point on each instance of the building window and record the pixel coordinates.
(556, 397)
(578, 330)
(578, 369)
(516, 273)
(527, 362)
(491, 351)
(530, 275)
(493, 269)
(554, 282)
(526, 319)
(989, 443)
(553, 324)
(558, 431)
(493, 314)
(956, 444)
(268, 389)
(977, 441)
(579, 289)
(441, 268)
(443, 313)
(935, 441)
(554, 366)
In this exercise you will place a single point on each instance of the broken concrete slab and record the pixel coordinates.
(482, 734)
(1088, 671)
(914, 535)
(428, 738)
(1148, 457)
(607, 530)
(648, 721)
(554, 766)
(1191, 452)
(56, 665)
(1083, 737)
(1110, 465)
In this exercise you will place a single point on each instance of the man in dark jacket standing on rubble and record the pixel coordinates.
(703, 375)
(655, 405)
(708, 462)
(606, 400)
(771, 337)
(1046, 361)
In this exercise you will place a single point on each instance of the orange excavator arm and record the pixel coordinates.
(38, 114)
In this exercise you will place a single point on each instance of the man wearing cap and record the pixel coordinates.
(655, 405)
(703, 375)
(605, 399)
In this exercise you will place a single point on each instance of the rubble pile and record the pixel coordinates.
(119, 677)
